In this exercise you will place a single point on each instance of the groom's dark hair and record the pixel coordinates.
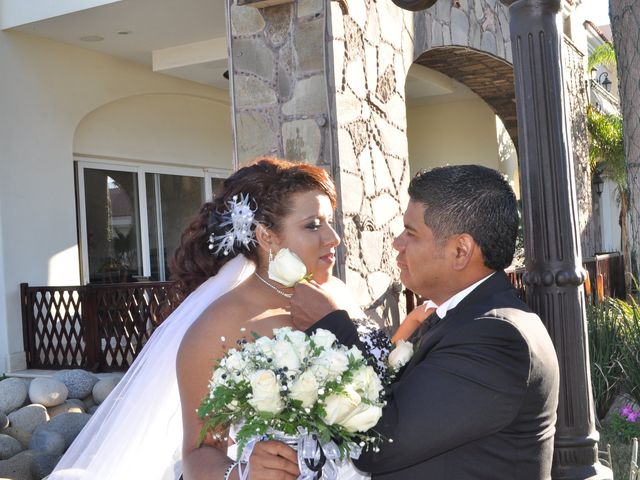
(474, 200)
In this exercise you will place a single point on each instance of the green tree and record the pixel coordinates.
(625, 25)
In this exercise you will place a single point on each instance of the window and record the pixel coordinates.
(131, 217)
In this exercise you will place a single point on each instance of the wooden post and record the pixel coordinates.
(90, 327)
(27, 324)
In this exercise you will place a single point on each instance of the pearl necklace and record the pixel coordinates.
(273, 287)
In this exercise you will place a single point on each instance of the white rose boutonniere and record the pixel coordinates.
(286, 268)
(400, 355)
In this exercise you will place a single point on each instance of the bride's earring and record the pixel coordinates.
(270, 256)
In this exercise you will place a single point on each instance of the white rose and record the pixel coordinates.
(366, 382)
(300, 342)
(320, 371)
(362, 418)
(400, 355)
(266, 392)
(305, 389)
(265, 346)
(286, 268)
(234, 360)
(323, 338)
(338, 407)
(285, 355)
(281, 333)
(356, 353)
(335, 362)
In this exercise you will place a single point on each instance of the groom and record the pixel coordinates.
(478, 398)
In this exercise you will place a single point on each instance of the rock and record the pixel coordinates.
(9, 446)
(43, 464)
(92, 409)
(21, 435)
(13, 393)
(29, 417)
(88, 402)
(18, 467)
(47, 441)
(70, 406)
(66, 424)
(103, 388)
(77, 402)
(48, 392)
(4, 420)
(79, 383)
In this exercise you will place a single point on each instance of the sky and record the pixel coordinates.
(597, 11)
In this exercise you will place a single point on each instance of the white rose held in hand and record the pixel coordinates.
(286, 268)
(400, 355)
(266, 392)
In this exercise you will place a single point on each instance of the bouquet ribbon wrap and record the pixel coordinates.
(316, 460)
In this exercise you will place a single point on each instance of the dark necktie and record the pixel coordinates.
(429, 322)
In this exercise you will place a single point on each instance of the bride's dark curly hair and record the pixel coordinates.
(269, 182)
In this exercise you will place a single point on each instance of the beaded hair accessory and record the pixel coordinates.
(234, 228)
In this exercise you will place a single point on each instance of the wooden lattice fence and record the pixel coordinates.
(104, 327)
(95, 327)
(606, 278)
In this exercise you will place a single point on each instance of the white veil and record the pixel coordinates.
(137, 431)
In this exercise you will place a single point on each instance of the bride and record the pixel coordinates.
(291, 207)
(140, 431)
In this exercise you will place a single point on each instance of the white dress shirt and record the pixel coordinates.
(451, 303)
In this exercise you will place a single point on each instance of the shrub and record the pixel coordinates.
(606, 351)
(625, 423)
(630, 312)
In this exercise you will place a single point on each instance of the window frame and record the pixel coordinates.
(140, 169)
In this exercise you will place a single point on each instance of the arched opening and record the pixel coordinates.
(144, 165)
(460, 110)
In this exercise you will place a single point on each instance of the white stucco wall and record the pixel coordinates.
(452, 134)
(46, 89)
(159, 128)
(458, 133)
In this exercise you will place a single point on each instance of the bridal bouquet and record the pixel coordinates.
(321, 395)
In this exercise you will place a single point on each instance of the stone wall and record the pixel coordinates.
(279, 88)
(373, 45)
(576, 90)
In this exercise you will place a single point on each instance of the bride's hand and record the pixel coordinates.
(310, 302)
(272, 460)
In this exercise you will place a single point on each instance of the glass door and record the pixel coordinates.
(111, 201)
(172, 202)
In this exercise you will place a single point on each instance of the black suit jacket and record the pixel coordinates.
(477, 400)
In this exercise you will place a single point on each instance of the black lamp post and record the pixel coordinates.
(554, 275)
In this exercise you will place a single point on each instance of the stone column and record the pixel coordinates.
(552, 249)
(278, 81)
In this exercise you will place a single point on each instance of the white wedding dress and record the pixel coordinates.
(136, 433)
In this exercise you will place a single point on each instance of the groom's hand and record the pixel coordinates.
(310, 303)
(272, 460)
